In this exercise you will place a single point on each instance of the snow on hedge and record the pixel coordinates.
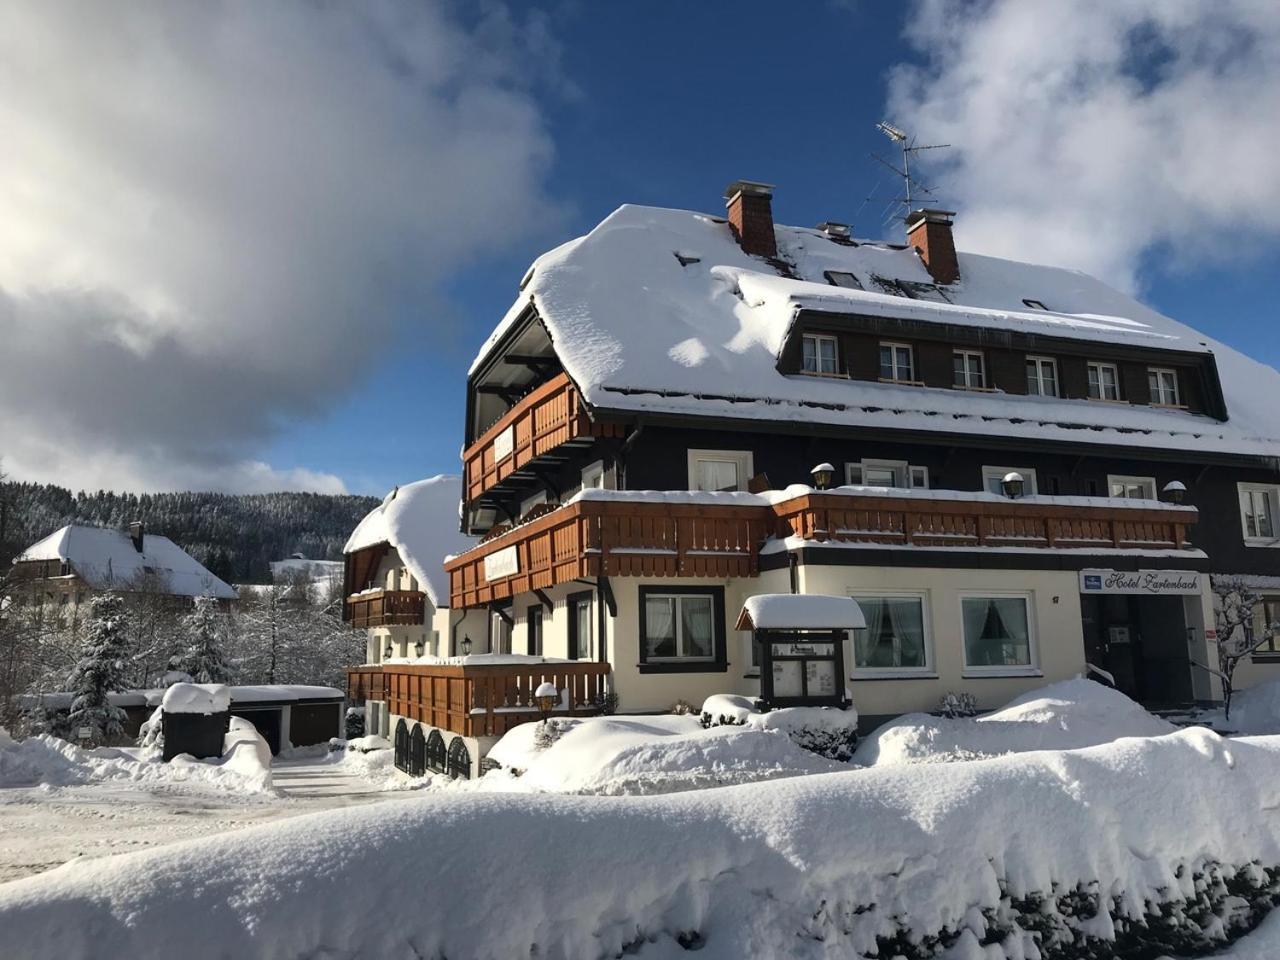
(903, 860)
(1061, 716)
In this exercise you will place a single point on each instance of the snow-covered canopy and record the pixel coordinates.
(800, 611)
(203, 698)
(640, 329)
(420, 521)
(107, 559)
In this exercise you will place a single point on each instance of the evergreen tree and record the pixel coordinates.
(100, 670)
(205, 633)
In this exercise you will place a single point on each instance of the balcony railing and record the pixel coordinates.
(549, 416)
(612, 534)
(381, 608)
(478, 700)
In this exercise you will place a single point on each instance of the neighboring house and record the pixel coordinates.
(71, 564)
(1010, 444)
(317, 571)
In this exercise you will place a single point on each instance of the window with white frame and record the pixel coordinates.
(714, 470)
(993, 479)
(896, 635)
(678, 626)
(1104, 381)
(1132, 488)
(970, 370)
(593, 476)
(886, 473)
(897, 362)
(998, 634)
(1259, 505)
(820, 354)
(1164, 386)
(1042, 376)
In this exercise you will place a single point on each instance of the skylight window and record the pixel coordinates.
(1035, 304)
(891, 287)
(841, 278)
(686, 258)
(923, 291)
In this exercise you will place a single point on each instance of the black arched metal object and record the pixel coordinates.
(402, 746)
(417, 753)
(459, 760)
(437, 760)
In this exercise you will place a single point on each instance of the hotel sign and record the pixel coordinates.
(1147, 583)
(502, 563)
(503, 444)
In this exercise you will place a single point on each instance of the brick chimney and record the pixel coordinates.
(929, 231)
(750, 207)
(136, 533)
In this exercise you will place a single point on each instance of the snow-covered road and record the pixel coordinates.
(44, 827)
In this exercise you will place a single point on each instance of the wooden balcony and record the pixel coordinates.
(382, 608)
(550, 416)
(591, 538)
(478, 700)
(617, 536)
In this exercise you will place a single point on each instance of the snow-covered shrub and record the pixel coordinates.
(354, 726)
(151, 732)
(826, 731)
(100, 671)
(727, 709)
(682, 708)
(607, 703)
(549, 731)
(962, 704)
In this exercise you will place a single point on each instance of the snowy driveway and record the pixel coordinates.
(43, 827)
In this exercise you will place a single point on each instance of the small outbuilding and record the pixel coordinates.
(801, 638)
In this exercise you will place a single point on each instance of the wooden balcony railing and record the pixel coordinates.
(381, 608)
(591, 538)
(646, 538)
(479, 700)
(366, 683)
(549, 416)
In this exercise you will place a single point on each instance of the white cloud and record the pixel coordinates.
(1094, 133)
(215, 213)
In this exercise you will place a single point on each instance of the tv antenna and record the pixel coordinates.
(910, 148)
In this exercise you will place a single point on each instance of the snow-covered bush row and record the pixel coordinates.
(1048, 854)
(825, 731)
(1060, 716)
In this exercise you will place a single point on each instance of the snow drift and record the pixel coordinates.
(838, 865)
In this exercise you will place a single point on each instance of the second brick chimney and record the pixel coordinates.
(750, 209)
(929, 231)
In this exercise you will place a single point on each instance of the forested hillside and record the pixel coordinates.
(234, 535)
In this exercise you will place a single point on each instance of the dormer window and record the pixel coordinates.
(1042, 376)
(1104, 381)
(820, 355)
(841, 278)
(1164, 387)
(970, 370)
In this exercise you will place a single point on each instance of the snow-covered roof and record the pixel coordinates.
(642, 330)
(420, 521)
(106, 558)
(800, 611)
(205, 698)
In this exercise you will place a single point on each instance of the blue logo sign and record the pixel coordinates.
(1092, 581)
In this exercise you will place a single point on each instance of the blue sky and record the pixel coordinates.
(313, 223)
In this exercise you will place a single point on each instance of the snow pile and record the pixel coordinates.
(803, 611)
(246, 753)
(1062, 716)
(202, 698)
(647, 755)
(1254, 710)
(1059, 847)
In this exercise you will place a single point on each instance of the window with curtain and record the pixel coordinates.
(996, 632)
(580, 627)
(1258, 508)
(1104, 381)
(679, 627)
(820, 354)
(894, 638)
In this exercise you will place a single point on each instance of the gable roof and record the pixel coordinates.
(106, 559)
(640, 329)
(420, 520)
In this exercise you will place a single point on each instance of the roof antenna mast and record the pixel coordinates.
(909, 149)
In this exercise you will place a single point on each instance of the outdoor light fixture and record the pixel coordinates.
(386, 654)
(1012, 485)
(466, 646)
(1175, 490)
(545, 697)
(822, 475)
(420, 647)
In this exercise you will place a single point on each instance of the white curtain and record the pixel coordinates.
(868, 641)
(659, 627)
(695, 622)
(907, 619)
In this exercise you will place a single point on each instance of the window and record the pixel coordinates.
(578, 606)
(1267, 612)
(712, 470)
(886, 473)
(1034, 304)
(1104, 381)
(997, 634)
(993, 479)
(682, 629)
(499, 633)
(1259, 504)
(894, 639)
(969, 369)
(1042, 376)
(1132, 488)
(897, 363)
(820, 355)
(593, 476)
(839, 278)
(1164, 386)
(533, 631)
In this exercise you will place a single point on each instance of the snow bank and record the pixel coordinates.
(204, 698)
(646, 755)
(1254, 710)
(246, 753)
(848, 864)
(1061, 716)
